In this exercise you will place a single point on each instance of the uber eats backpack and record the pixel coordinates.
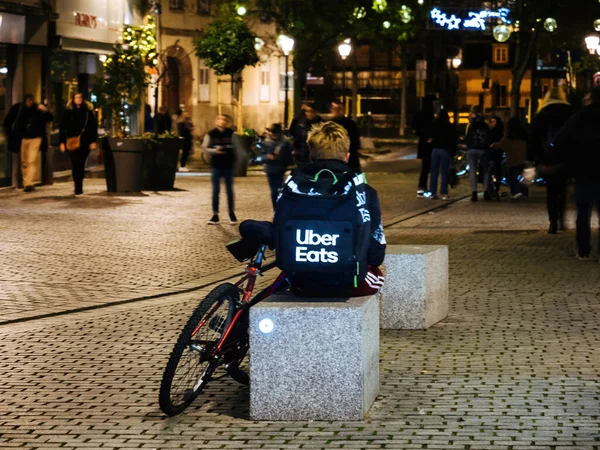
(322, 231)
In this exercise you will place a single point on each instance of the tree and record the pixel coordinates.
(227, 46)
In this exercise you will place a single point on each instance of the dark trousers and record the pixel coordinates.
(425, 169)
(556, 196)
(78, 158)
(227, 175)
(185, 152)
(586, 196)
(275, 182)
(440, 159)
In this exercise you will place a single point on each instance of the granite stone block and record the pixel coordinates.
(415, 293)
(320, 361)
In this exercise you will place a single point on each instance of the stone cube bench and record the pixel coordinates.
(313, 360)
(415, 293)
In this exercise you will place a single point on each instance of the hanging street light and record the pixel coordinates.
(550, 24)
(456, 62)
(592, 42)
(286, 44)
(501, 33)
(597, 24)
(241, 10)
(386, 24)
(344, 50)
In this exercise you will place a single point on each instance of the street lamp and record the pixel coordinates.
(592, 42)
(344, 49)
(286, 44)
(456, 62)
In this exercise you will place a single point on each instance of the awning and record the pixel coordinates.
(79, 45)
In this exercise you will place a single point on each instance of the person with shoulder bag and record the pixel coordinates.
(78, 136)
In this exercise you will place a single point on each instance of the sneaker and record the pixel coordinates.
(584, 258)
(474, 197)
(232, 219)
(517, 196)
(214, 220)
(446, 198)
(434, 197)
(421, 194)
(28, 189)
(184, 169)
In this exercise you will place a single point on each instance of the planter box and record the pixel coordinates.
(124, 164)
(160, 165)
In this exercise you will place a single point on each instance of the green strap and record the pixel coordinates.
(335, 180)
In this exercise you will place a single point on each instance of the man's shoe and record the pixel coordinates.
(421, 194)
(28, 189)
(78, 191)
(517, 196)
(214, 220)
(584, 258)
(434, 197)
(184, 169)
(232, 219)
(446, 198)
(486, 196)
(474, 197)
(553, 229)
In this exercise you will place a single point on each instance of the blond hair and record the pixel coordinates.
(554, 95)
(328, 140)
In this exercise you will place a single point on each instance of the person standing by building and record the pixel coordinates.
(550, 118)
(277, 156)
(478, 142)
(25, 126)
(185, 127)
(444, 149)
(577, 147)
(496, 155)
(423, 128)
(299, 129)
(78, 136)
(162, 121)
(218, 144)
(337, 111)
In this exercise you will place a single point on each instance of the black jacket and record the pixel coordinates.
(444, 137)
(578, 145)
(223, 139)
(76, 121)
(423, 128)
(479, 136)
(299, 129)
(25, 123)
(546, 125)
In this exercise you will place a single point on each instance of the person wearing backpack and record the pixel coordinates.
(554, 112)
(478, 141)
(327, 229)
(277, 156)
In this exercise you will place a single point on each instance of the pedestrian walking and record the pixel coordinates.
(175, 120)
(554, 112)
(162, 121)
(444, 149)
(514, 144)
(277, 156)
(78, 136)
(337, 112)
(423, 128)
(218, 144)
(496, 155)
(577, 147)
(185, 127)
(25, 127)
(478, 143)
(299, 129)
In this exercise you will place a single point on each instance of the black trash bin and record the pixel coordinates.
(124, 164)
(160, 166)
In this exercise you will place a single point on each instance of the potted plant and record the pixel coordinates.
(126, 77)
(160, 166)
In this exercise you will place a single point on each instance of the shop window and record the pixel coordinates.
(265, 80)
(500, 54)
(176, 5)
(203, 7)
(204, 82)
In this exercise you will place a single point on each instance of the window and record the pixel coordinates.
(203, 7)
(265, 80)
(176, 5)
(500, 96)
(204, 82)
(500, 54)
(282, 76)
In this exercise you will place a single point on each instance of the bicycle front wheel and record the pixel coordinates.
(191, 364)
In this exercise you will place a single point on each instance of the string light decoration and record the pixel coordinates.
(475, 20)
(142, 40)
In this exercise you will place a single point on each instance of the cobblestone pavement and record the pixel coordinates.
(514, 366)
(61, 253)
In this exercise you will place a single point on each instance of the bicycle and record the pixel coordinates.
(216, 334)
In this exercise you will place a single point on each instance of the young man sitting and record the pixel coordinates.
(327, 229)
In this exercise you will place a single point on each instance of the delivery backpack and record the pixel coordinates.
(322, 231)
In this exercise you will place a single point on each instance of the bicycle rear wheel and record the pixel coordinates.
(191, 365)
